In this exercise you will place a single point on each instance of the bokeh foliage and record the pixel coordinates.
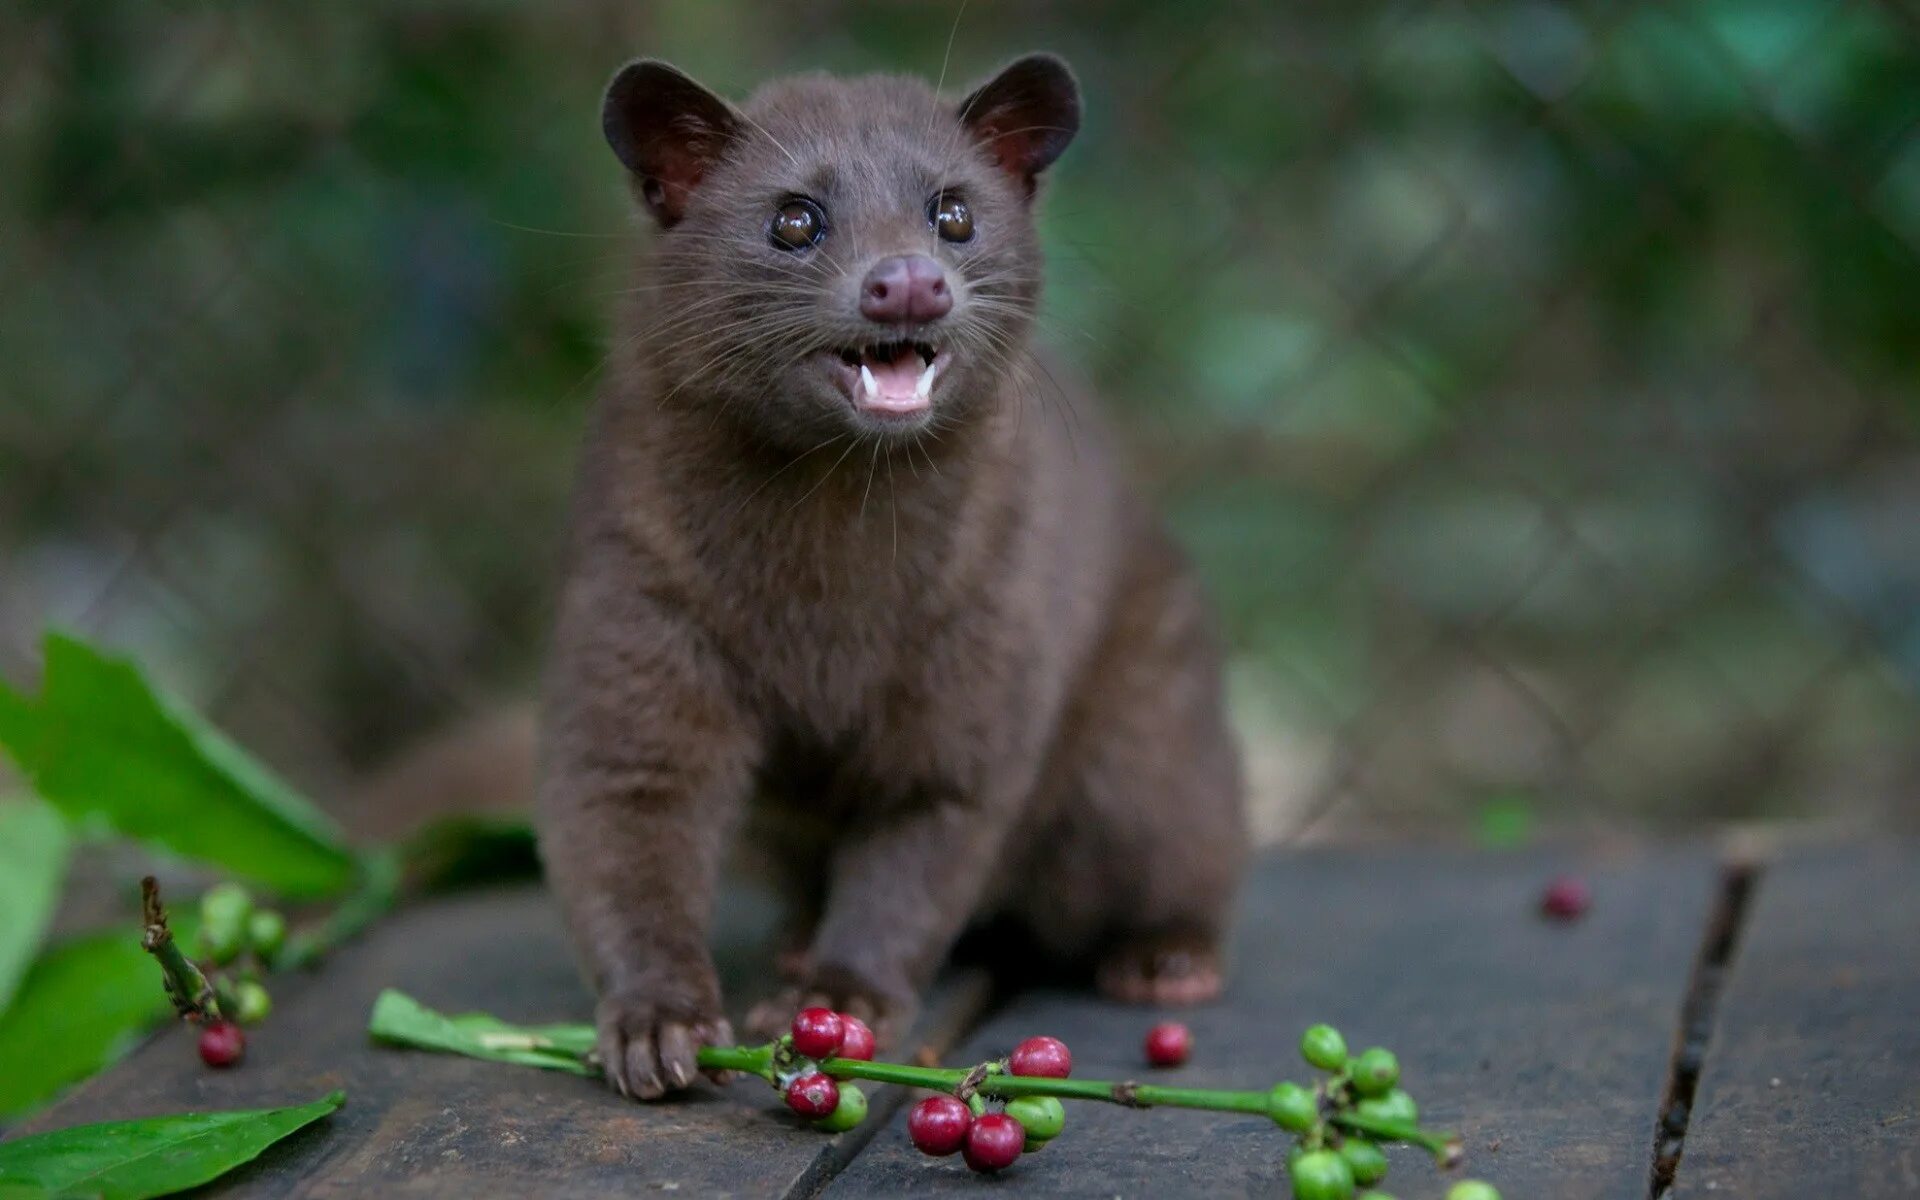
(1536, 383)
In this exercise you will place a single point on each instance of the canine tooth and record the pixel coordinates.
(867, 383)
(923, 387)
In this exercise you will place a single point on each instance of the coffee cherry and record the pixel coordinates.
(1371, 1195)
(1396, 1105)
(225, 904)
(938, 1125)
(1322, 1175)
(1293, 1107)
(1043, 1117)
(1472, 1189)
(222, 1044)
(1367, 1162)
(251, 1003)
(1323, 1047)
(1375, 1072)
(848, 1112)
(857, 1041)
(818, 1032)
(1565, 898)
(1043, 1056)
(266, 932)
(1168, 1044)
(813, 1095)
(994, 1142)
(219, 942)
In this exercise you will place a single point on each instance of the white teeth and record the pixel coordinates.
(867, 384)
(923, 387)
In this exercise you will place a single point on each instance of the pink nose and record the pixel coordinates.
(906, 287)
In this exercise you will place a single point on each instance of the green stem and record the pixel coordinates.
(192, 995)
(376, 896)
(758, 1061)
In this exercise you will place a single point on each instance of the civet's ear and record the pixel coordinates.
(668, 130)
(1026, 115)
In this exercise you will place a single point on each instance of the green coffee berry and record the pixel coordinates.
(1472, 1189)
(1369, 1165)
(1041, 1116)
(850, 1111)
(1373, 1196)
(1396, 1105)
(1375, 1071)
(219, 942)
(251, 1003)
(266, 932)
(1293, 1107)
(1322, 1175)
(1323, 1047)
(225, 904)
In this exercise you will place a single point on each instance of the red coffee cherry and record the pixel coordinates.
(1565, 898)
(938, 1125)
(222, 1044)
(817, 1032)
(858, 1040)
(1168, 1044)
(994, 1142)
(1043, 1056)
(813, 1095)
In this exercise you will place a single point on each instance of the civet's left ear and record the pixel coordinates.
(1026, 115)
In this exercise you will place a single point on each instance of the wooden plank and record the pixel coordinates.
(1551, 1040)
(427, 1125)
(1811, 1082)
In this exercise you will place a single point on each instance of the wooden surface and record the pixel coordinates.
(1549, 1046)
(1811, 1082)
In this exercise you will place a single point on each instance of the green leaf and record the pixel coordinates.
(463, 850)
(82, 1005)
(404, 1021)
(33, 862)
(101, 746)
(155, 1156)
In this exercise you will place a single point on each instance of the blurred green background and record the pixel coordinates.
(1538, 385)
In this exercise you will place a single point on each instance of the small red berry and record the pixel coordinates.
(938, 1125)
(813, 1095)
(1566, 898)
(817, 1032)
(1043, 1056)
(858, 1042)
(1168, 1044)
(222, 1044)
(994, 1142)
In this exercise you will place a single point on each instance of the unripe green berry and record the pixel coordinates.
(1322, 1175)
(1369, 1165)
(1323, 1047)
(850, 1111)
(1292, 1107)
(1472, 1189)
(266, 932)
(1375, 1071)
(1396, 1105)
(225, 904)
(218, 942)
(1373, 1196)
(251, 1003)
(1041, 1116)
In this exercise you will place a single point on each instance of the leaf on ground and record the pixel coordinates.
(402, 1020)
(102, 746)
(155, 1156)
(81, 1005)
(33, 863)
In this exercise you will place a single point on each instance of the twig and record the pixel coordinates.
(192, 995)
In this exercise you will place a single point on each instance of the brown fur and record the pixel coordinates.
(951, 671)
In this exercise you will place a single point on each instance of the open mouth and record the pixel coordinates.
(890, 378)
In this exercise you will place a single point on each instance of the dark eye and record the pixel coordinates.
(797, 224)
(951, 218)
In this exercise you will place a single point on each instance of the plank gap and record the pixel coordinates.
(1697, 1015)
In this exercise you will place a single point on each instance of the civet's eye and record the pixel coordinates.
(950, 218)
(797, 225)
